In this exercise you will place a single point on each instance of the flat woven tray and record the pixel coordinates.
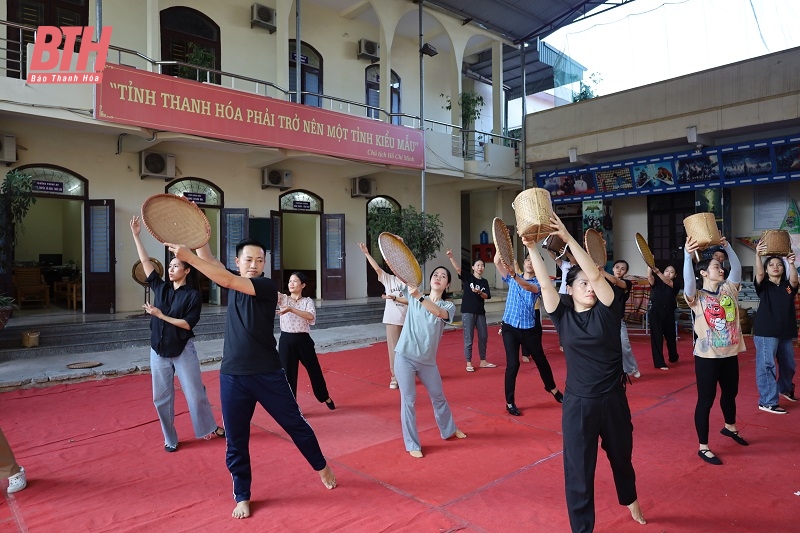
(84, 364)
(644, 249)
(595, 245)
(400, 259)
(137, 272)
(502, 243)
(174, 219)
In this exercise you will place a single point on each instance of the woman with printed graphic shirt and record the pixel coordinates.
(719, 340)
(473, 312)
(394, 314)
(775, 329)
(174, 311)
(297, 314)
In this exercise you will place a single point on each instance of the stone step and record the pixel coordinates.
(135, 331)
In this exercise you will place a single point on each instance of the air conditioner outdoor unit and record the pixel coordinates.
(156, 165)
(276, 178)
(362, 187)
(263, 17)
(8, 148)
(369, 50)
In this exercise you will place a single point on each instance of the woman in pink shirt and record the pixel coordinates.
(297, 315)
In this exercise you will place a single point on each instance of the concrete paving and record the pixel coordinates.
(52, 369)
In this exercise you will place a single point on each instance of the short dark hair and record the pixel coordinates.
(627, 266)
(572, 273)
(248, 242)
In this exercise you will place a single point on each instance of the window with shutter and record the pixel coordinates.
(38, 13)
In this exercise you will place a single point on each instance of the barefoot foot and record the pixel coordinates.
(416, 453)
(328, 479)
(636, 512)
(242, 509)
(459, 434)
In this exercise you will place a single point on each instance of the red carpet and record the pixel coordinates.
(95, 460)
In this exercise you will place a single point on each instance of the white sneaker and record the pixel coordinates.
(636, 374)
(17, 482)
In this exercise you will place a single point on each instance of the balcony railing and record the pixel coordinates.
(467, 144)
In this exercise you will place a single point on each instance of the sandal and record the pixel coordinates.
(470, 369)
(219, 432)
(488, 365)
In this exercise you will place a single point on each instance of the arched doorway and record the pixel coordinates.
(68, 241)
(306, 239)
(380, 204)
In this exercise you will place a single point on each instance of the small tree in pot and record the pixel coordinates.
(16, 198)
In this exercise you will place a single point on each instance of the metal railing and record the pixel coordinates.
(468, 144)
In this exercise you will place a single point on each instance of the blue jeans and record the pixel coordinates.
(187, 367)
(770, 380)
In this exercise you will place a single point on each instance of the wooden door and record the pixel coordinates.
(100, 260)
(333, 257)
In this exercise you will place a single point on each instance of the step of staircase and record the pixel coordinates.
(134, 330)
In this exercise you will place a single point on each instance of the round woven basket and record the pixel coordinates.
(595, 245)
(137, 272)
(703, 228)
(778, 242)
(502, 242)
(533, 208)
(400, 259)
(174, 219)
(644, 249)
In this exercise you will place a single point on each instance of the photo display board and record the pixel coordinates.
(763, 161)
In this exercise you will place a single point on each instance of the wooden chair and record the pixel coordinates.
(30, 286)
(61, 291)
(75, 294)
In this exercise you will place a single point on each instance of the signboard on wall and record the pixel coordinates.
(150, 100)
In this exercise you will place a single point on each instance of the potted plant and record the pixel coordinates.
(198, 56)
(16, 198)
(470, 103)
(7, 307)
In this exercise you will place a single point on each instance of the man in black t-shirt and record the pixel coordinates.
(251, 370)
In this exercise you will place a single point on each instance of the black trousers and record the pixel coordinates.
(296, 348)
(709, 372)
(238, 396)
(662, 328)
(531, 341)
(584, 420)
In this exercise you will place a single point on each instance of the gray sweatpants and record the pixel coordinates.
(405, 370)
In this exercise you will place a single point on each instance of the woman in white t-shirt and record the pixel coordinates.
(297, 314)
(394, 314)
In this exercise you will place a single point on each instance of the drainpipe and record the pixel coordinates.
(298, 66)
(523, 136)
(98, 23)
(422, 119)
